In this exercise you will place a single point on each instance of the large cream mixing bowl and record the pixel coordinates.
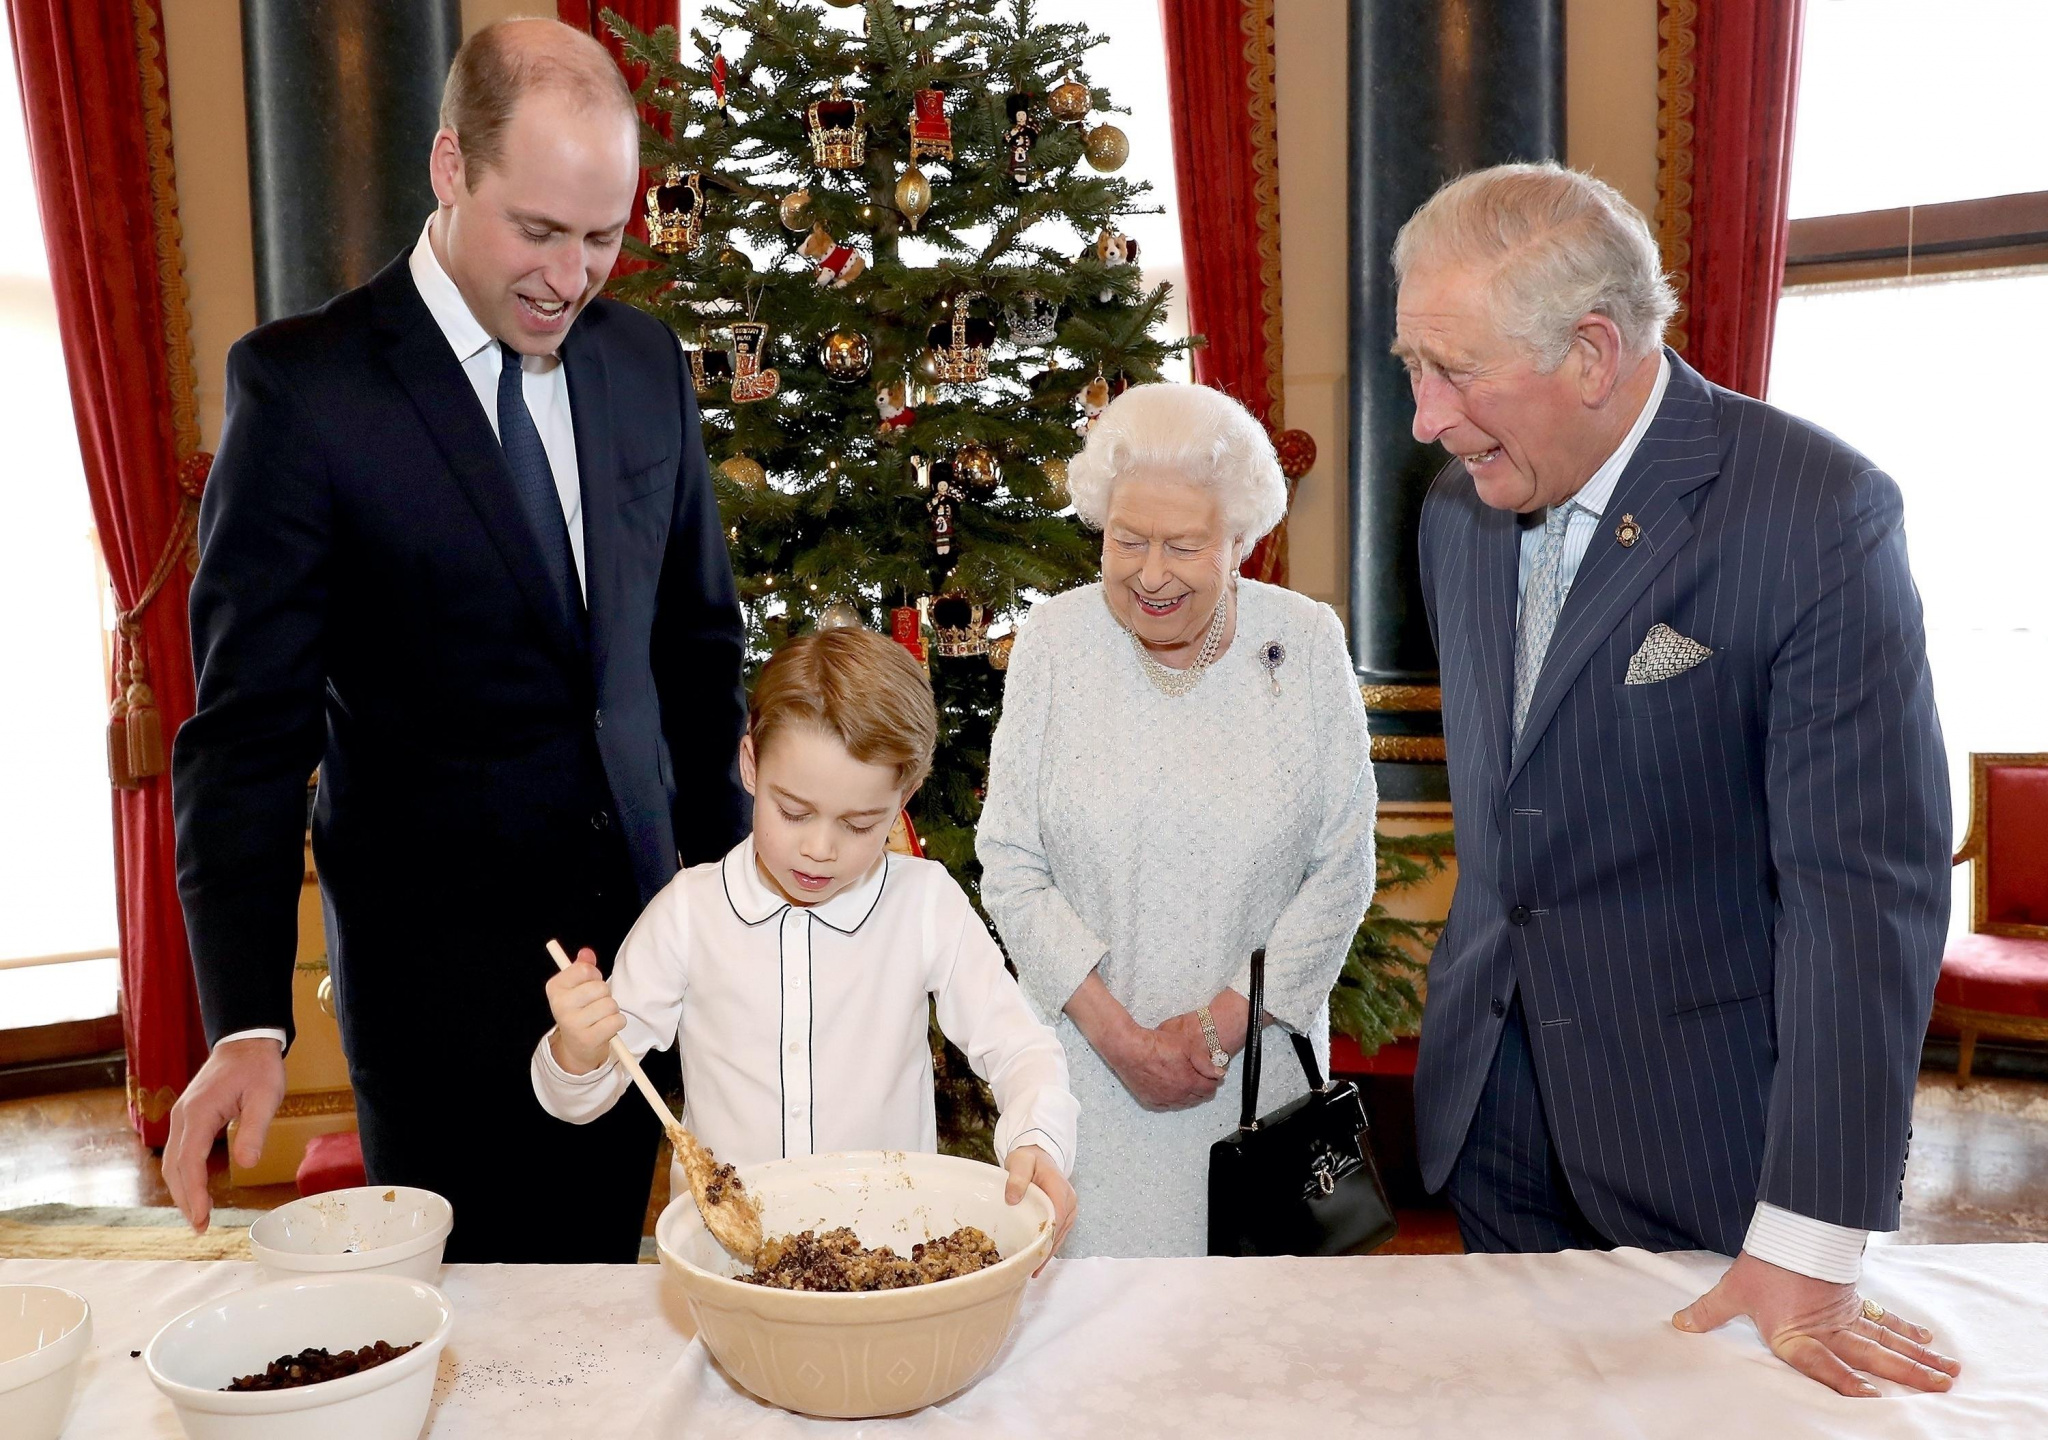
(856, 1355)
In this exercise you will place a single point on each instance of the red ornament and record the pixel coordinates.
(1296, 451)
(907, 630)
(718, 77)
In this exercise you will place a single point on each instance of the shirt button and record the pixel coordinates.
(600, 720)
(600, 821)
(1519, 915)
(1500, 1007)
(795, 1048)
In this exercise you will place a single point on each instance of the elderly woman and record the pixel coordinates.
(1180, 776)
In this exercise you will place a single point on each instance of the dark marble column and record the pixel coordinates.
(1438, 87)
(343, 99)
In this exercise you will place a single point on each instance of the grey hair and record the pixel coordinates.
(1193, 432)
(1556, 245)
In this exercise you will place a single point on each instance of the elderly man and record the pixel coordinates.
(1703, 815)
(459, 550)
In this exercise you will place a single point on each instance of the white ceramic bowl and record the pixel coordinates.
(240, 1334)
(44, 1334)
(367, 1230)
(880, 1353)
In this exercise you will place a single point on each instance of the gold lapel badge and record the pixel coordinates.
(1628, 532)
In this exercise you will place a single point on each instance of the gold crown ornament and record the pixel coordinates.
(959, 351)
(839, 136)
(675, 211)
(959, 625)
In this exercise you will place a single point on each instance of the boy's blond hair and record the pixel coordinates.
(856, 685)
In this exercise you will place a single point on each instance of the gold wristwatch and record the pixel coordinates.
(1217, 1057)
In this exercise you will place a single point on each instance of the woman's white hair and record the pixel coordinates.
(1189, 432)
(1556, 245)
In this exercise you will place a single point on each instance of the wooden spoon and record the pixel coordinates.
(729, 1212)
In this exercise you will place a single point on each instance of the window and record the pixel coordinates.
(1917, 286)
(56, 825)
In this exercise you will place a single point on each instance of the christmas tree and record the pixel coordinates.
(892, 249)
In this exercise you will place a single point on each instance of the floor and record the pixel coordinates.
(1978, 1171)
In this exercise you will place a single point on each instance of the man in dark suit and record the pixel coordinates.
(460, 550)
(1702, 804)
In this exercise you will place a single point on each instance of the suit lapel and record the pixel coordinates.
(1679, 453)
(597, 468)
(425, 365)
(1497, 556)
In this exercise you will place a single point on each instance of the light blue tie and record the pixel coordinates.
(1542, 598)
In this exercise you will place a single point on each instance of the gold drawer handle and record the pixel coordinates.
(325, 995)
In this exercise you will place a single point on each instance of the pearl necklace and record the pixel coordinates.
(1176, 683)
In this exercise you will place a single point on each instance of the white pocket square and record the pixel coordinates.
(1663, 654)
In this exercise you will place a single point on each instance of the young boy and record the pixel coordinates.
(795, 971)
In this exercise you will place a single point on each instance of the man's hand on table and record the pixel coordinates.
(243, 1081)
(1819, 1328)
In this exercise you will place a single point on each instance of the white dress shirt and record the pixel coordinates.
(803, 1029)
(1594, 494)
(1789, 1240)
(544, 382)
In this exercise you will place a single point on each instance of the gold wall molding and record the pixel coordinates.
(1256, 21)
(1677, 76)
(1408, 747)
(316, 1102)
(1402, 697)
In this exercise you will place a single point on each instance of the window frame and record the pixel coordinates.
(1995, 232)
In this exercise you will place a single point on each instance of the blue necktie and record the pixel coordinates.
(534, 480)
(1542, 599)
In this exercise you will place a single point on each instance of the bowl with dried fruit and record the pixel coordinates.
(364, 1230)
(319, 1357)
(44, 1334)
(887, 1281)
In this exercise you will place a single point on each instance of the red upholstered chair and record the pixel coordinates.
(333, 1162)
(1994, 981)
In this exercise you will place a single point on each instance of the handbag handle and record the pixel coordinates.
(1304, 1050)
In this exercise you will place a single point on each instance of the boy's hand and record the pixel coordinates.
(1029, 1165)
(586, 1016)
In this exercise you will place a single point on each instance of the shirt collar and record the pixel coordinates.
(1595, 493)
(756, 902)
(444, 301)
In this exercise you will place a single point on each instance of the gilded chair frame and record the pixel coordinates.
(1969, 1024)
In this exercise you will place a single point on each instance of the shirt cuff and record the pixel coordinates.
(544, 1058)
(265, 1033)
(1806, 1246)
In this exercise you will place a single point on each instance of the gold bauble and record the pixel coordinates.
(1069, 102)
(865, 214)
(914, 195)
(1106, 147)
(846, 355)
(839, 616)
(977, 467)
(927, 368)
(744, 471)
(1056, 483)
(796, 210)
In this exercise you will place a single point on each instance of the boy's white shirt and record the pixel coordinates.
(803, 1029)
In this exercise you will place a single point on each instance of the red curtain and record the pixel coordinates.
(1219, 76)
(646, 16)
(98, 121)
(1728, 82)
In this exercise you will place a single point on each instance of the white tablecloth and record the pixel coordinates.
(1576, 1345)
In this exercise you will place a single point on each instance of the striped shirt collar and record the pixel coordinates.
(1596, 492)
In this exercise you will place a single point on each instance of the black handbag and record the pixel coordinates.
(1300, 1181)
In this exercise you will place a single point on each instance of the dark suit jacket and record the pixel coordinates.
(1723, 897)
(371, 599)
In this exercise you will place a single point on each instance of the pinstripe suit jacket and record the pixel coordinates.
(1723, 897)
